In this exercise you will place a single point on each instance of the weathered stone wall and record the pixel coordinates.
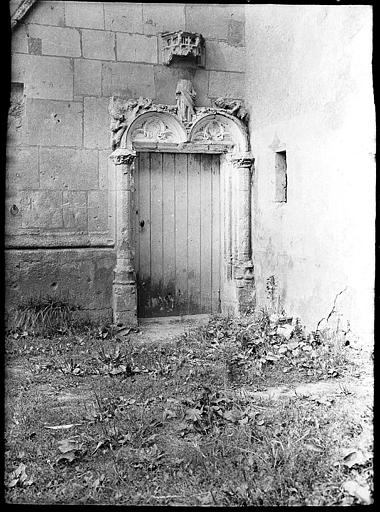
(68, 58)
(309, 91)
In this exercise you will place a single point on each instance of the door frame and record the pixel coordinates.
(157, 128)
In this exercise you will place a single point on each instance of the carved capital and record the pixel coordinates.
(123, 157)
(242, 160)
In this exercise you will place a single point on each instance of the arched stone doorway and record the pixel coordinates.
(139, 127)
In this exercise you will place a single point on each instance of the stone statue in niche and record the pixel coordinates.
(185, 100)
(233, 107)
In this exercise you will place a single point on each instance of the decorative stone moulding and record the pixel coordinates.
(184, 45)
(139, 125)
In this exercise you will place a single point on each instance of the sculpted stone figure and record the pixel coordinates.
(122, 115)
(185, 100)
(233, 107)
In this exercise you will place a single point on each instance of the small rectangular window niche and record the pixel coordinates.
(281, 178)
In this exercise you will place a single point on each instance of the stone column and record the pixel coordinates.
(124, 280)
(244, 277)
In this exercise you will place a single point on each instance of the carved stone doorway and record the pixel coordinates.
(139, 126)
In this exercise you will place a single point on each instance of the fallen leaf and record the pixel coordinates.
(313, 447)
(59, 427)
(68, 445)
(356, 457)
(193, 414)
(361, 492)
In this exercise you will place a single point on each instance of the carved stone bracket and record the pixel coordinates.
(183, 45)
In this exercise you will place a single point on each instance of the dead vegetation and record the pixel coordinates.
(99, 417)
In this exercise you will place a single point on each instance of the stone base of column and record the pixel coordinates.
(245, 288)
(125, 304)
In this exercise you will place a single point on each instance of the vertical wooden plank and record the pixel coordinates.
(193, 238)
(156, 219)
(216, 233)
(168, 232)
(181, 214)
(143, 217)
(206, 228)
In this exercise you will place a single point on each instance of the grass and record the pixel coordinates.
(174, 424)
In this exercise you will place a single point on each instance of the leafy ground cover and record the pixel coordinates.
(102, 416)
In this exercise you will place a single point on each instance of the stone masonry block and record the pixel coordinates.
(123, 17)
(106, 170)
(98, 44)
(165, 81)
(228, 85)
(87, 77)
(53, 123)
(200, 83)
(22, 168)
(13, 211)
(96, 123)
(236, 30)
(136, 48)
(75, 210)
(34, 46)
(84, 14)
(66, 168)
(212, 20)
(58, 41)
(47, 13)
(19, 43)
(224, 57)
(128, 79)
(163, 17)
(82, 276)
(50, 78)
(97, 210)
(42, 209)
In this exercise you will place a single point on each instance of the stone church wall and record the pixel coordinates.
(68, 59)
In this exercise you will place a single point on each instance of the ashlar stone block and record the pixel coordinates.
(53, 123)
(45, 77)
(66, 168)
(87, 77)
(159, 18)
(123, 17)
(47, 13)
(96, 123)
(97, 211)
(58, 41)
(75, 210)
(22, 167)
(136, 48)
(226, 84)
(84, 14)
(97, 44)
(128, 80)
(224, 57)
(42, 209)
(212, 21)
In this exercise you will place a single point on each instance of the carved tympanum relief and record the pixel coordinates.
(143, 120)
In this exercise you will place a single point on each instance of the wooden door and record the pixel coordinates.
(178, 234)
